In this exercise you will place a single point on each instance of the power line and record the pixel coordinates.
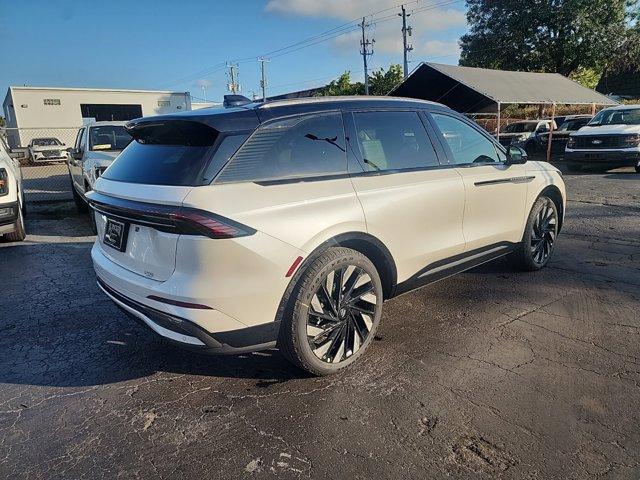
(330, 34)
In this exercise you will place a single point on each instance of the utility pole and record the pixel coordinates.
(233, 85)
(366, 50)
(406, 32)
(263, 81)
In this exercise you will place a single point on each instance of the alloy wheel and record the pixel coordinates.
(544, 233)
(341, 314)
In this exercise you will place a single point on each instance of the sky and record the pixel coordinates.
(184, 45)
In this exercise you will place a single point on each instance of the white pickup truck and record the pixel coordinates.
(610, 140)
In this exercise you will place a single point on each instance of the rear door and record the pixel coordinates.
(291, 171)
(412, 203)
(495, 192)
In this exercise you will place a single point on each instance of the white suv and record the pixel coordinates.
(289, 223)
(12, 205)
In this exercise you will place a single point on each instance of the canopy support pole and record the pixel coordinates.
(498, 127)
(593, 109)
(551, 128)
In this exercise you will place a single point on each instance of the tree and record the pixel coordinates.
(545, 35)
(343, 86)
(587, 77)
(380, 83)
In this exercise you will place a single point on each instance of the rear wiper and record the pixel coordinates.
(332, 141)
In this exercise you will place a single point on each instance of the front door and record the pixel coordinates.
(495, 191)
(75, 164)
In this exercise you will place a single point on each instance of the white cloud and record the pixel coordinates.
(386, 32)
(343, 9)
(438, 48)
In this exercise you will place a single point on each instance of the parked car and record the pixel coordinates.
(12, 204)
(571, 123)
(288, 223)
(610, 140)
(96, 146)
(526, 134)
(46, 149)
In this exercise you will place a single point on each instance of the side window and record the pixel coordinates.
(467, 145)
(292, 148)
(78, 143)
(226, 149)
(393, 141)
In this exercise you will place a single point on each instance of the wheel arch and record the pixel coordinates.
(554, 193)
(365, 243)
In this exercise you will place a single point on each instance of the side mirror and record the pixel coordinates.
(75, 152)
(516, 155)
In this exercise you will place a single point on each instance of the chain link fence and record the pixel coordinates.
(43, 159)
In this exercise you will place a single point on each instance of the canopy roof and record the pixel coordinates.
(474, 90)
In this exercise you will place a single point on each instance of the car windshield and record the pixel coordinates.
(46, 142)
(573, 125)
(520, 127)
(108, 137)
(624, 116)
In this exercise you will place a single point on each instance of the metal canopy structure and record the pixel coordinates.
(481, 90)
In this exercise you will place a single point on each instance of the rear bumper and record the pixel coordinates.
(613, 158)
(187, 334)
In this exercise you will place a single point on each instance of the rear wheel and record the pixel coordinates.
(19, 233)
(333, 312)
(539, 236)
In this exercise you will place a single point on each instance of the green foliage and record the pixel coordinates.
(343, 86)
(546, 35)
(587, 77)
(380, 83)
(2, 122)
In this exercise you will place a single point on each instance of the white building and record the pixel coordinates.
(30, 109)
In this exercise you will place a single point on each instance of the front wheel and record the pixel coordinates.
(333, 312)
(539, 236)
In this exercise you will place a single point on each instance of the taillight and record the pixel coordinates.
(209, 224)
(168, 218)
(4, 182)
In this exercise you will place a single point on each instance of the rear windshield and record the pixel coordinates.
(166, 153)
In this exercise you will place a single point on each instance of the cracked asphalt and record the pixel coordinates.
(491, 374)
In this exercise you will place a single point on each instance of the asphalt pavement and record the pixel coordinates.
(494, 373)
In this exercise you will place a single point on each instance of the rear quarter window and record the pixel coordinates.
(297, 147)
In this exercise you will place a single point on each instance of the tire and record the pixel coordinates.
(540, 233)
(574, 167)
(81, 205)
(19, 234)
(637, 168)
(342, 330)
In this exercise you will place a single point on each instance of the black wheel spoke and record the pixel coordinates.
(341, 314)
